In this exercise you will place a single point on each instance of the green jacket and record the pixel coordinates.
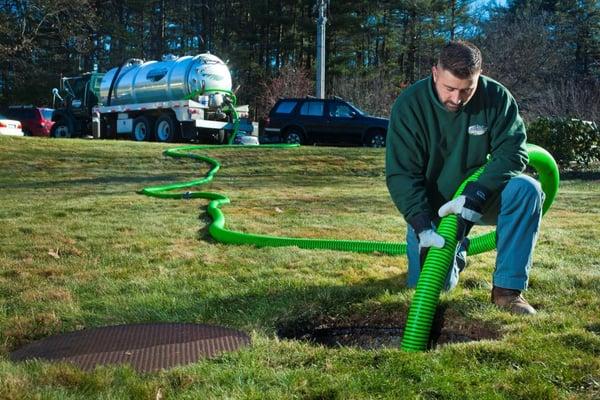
(431, 151)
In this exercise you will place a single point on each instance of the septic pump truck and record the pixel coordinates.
(177, 98)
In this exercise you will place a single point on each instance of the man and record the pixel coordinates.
(442, 129)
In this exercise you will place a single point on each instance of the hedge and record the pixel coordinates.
(570, 141)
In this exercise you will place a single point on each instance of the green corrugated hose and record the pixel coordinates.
(217, 228)
(438, 261)
(436, 265)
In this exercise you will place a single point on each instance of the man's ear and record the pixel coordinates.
(434, 72)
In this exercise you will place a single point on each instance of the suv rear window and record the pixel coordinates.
(312, 108)
(285, 107)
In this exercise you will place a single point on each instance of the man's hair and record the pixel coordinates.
(461, 58)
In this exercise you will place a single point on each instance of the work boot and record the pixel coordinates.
(511, 300)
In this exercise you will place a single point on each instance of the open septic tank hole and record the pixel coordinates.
(448, 327)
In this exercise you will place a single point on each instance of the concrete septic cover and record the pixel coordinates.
(146, 347)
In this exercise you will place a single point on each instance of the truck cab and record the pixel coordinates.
(77, 96)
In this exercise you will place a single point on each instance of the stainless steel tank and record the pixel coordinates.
(174, 78)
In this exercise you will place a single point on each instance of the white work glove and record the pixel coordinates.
(462, 206)
(429, 238)
(468, 206)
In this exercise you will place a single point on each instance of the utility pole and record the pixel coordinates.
(321, 4)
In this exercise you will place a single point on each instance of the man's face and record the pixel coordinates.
(453, 92)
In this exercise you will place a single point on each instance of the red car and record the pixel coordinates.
(36, 121)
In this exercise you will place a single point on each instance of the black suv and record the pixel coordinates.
(311, 120)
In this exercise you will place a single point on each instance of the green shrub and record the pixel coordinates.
(568, 140)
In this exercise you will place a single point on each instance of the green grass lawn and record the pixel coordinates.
(81, 249)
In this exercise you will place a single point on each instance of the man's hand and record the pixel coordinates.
(427, 239)
(467, 206)
(468, 209)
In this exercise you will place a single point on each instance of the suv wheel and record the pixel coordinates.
(375, 139)
(293, 136)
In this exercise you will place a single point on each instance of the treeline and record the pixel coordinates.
(546, 51)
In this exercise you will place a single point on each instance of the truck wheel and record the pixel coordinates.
(218, 136)
(141, 129)
(166, 129)
(62, 129)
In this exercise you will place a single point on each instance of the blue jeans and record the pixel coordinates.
(517, 214)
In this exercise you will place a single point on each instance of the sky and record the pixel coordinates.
(478, 3)
(482, 6)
